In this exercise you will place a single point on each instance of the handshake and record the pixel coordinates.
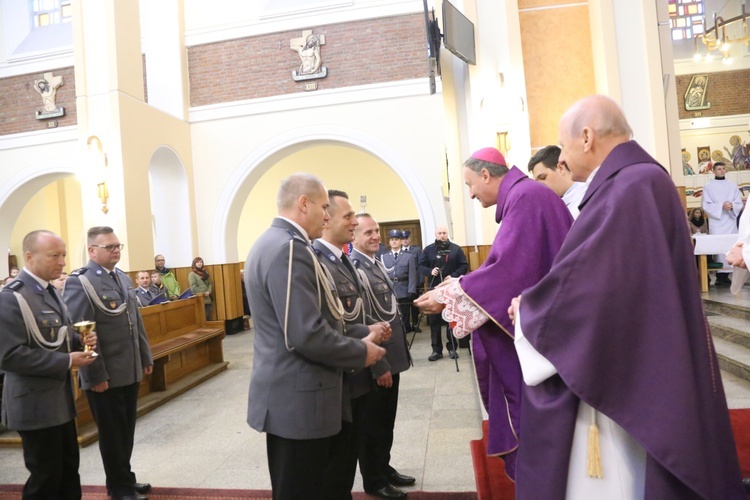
(379, 332)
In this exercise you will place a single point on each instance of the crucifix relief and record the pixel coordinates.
(47, 88)
(308, 48)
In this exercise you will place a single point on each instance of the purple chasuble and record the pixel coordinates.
(534, 224)
(621, 319)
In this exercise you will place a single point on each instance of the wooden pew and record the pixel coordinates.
(187, 350)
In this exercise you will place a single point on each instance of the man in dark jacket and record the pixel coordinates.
(439, 261)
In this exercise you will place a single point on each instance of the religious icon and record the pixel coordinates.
(47, 88)
(686, 168)
(739, 153)
(308, 48)
(705, 165)
(696, 95)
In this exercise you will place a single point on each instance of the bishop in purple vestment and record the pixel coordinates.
(533, 224)
(619, 317)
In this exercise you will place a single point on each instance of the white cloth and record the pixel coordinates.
(573, 197)
(721, 221)
(623, 459)
(740, 275)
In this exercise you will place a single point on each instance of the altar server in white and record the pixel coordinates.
(722, 202)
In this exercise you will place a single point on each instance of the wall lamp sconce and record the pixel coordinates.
(715, 38)
(103, 194)
(98, 163)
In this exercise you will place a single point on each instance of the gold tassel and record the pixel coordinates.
(594, 458)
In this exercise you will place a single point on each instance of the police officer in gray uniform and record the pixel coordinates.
(381, 404)
(402, 270)
(100, 292)
(337, 233)
(37, 350)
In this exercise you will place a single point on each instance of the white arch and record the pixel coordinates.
(16, 192)
(254, 165)
(170, 207)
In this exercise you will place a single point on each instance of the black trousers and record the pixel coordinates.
(114, 411)
(299, 468)
(436, 323)
(51, 456)
(404, 308)
(377, 417)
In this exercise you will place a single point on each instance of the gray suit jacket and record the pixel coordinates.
(296, 383)
(402, 271)
(122, 342)
(348, 289)
(38, 388)
(397, 351)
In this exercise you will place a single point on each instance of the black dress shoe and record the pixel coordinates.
(746, 484)
(142, 487)
(388, 491)
(136, 496)
(453, 354)
(400, 479)
(435, 356)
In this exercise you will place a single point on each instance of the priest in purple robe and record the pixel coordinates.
(613, 341)
(534, 222)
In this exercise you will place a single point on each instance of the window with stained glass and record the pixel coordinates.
(47, 12)
(686, 18)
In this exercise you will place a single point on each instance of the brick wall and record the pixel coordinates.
(19, 102)
(726, 93)
(355, 53)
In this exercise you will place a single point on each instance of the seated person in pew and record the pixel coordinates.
(157, 287)
(144, 292)
(167, 277)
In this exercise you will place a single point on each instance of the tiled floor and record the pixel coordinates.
(201, 438)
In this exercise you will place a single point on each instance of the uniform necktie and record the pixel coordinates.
(395, 255)
(52, 291)
(117, 281)
(349, 266)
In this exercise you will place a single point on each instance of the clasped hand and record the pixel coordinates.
(380, 332)
(734, 256)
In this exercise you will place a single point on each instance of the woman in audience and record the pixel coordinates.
(698, 222)
(200, 283)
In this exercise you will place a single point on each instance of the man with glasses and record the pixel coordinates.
(167, 278)
(100, 292)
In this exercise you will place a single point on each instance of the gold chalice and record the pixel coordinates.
(84, 328)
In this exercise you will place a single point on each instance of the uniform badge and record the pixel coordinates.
(98, 271)
(348, 303)
(112, 305)
(331, 258)
(45, 322)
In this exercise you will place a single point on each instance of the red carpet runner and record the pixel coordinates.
(493, 484)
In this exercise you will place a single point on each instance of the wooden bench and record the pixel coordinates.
(186, 349)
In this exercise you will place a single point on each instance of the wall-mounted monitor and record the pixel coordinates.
(458, 33)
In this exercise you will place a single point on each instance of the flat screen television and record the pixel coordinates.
(458, 33)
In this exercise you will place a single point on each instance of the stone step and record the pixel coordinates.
(733, 358)
(731, 329)
(728, 308)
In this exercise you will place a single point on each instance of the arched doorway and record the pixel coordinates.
(170, 207)
(258, 162)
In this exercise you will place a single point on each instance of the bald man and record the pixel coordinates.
(38, 349)
(300, 352)
(439, 261)
(613, 340)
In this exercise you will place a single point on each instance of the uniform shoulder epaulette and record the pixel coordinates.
(79, 271)
(14, 285)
